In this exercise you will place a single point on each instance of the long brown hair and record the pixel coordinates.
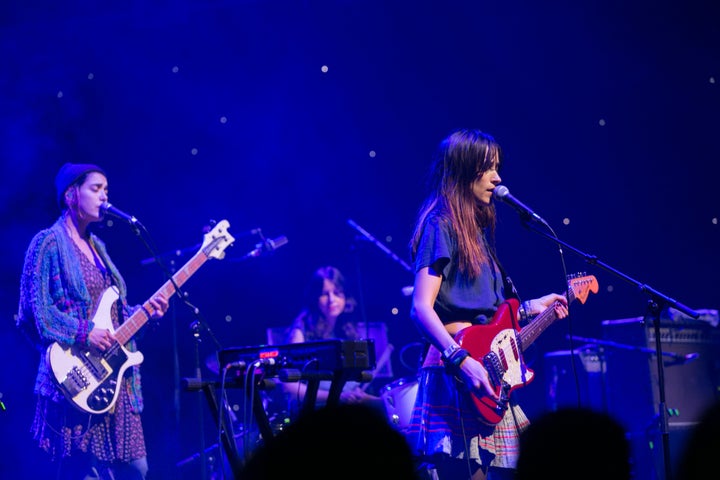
(315, 324)
(460, 158)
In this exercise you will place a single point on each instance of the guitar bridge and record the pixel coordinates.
(75, 381)
(494, 367)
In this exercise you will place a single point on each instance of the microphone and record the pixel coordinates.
(680, 359)
(690, 357)
(268, 246)
(502, 193)
(107, 208)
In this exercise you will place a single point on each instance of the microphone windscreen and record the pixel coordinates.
(501, 191)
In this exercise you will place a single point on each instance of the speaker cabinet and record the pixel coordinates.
(691, 367)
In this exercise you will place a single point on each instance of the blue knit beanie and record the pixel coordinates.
(68, 174)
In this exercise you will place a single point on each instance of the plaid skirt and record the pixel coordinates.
(444, 423)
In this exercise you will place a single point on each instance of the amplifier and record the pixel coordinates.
(691, 368)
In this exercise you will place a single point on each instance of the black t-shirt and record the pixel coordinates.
(460, 298)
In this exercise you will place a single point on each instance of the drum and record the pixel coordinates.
(399, 399)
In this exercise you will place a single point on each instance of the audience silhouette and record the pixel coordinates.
(349, 441)
(697, 457)
(573, 443)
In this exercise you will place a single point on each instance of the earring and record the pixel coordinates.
(70, 197)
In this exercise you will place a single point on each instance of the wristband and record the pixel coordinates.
(523, 311)
(459, 357)
(449, 351)
(456, 358)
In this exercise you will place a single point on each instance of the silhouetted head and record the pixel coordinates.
(574, 443)
(347, 441)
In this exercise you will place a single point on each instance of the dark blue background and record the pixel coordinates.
(608, 112)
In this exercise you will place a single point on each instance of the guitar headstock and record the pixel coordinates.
(581, 285)
(217, 240)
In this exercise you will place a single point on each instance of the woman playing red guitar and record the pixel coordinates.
(458, 283)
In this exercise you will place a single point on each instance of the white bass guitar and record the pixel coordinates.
(90, 380)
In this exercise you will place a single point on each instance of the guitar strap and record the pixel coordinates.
(509, 289)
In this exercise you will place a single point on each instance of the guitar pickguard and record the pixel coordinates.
(508, 361)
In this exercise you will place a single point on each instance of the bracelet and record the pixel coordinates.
(449, 351)
(456, 358)
(523, 311)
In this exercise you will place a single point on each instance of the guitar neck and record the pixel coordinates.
(532, 331)
(136, 321)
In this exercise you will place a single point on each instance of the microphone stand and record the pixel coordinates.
(387, 251)
(678, 359)
(656, 303)
(380, 245)
(361, 299)
(195, 327)
(265, 246)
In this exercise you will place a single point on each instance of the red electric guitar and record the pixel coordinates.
(499, 344)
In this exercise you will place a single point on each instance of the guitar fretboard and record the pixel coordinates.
(532, 331)
(136, 321)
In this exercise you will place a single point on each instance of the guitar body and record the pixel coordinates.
(496, 346)
(499, 344)
(91, 382)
